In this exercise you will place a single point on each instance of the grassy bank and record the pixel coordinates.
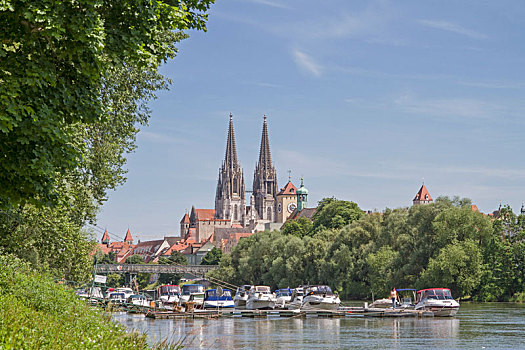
(37, 313)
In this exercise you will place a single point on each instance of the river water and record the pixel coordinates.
(476, 326)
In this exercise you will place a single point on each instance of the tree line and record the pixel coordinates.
(443, 244)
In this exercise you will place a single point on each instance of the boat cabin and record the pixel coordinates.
(211, 295)
(261, 289)
(434, 293)
(189, 289)
(318, 290)
(283, 293)
(168, 290)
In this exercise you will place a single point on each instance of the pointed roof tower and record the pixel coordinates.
(230, 158)
(128, 237)
(265, 156)
(422, 196)
(105, 237)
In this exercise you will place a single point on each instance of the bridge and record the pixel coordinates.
(196, 270)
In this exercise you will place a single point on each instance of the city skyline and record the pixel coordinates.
(363, 100)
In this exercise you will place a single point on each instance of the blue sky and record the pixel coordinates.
(363, 98)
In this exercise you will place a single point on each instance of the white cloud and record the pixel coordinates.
(271, 3)
(446, 108)
(452, 27)
(307, 63)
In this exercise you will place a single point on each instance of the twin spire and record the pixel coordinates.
(230, 158)
(265, 157)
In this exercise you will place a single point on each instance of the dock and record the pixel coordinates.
(340, 313)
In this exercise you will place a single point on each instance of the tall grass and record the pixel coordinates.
(37, 313)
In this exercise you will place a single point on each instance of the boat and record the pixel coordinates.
(283, 297)
(138, 299)
(168, 295)
(214, 301)
(127, 291)
(117, 298)
(437, 300)
(241, 296)
(193, 293)
(320, 297)
(260, 298)
(405, 300)
(297, 298)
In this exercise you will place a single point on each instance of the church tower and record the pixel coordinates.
(422, 196)
(230, 202)
(265, 181)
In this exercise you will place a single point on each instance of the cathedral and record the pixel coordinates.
(269, 207)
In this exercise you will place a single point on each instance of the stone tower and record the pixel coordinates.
(230, 202)
(265, 181)
(286, 201)
(302, 197)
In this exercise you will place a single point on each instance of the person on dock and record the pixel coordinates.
(393, 296)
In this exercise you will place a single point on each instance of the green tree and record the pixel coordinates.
(212, 257)
(55, 59)
(299, 227)
(333, 213)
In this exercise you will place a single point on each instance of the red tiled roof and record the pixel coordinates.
(423, 194)
(236, 226)
(105, 237)
(475, 207)
(205, 214)
(128, 237)
(288, 189)
(186, 219)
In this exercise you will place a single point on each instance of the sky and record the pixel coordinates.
(364, 99)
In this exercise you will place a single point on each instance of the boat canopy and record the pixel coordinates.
(406, 289)
(211, 295)
(318, 290)
(435, 293)
(187, 289)
(263, 289)
(283, 292)
(169, 289)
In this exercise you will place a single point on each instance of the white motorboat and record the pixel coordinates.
(320, 297)
(283, 297)
(241, 296)
(117, 298)
(127, 291)
(139, 299)
(168, 296)
(214, 301)
(260, 298)
(192, 292)
(296, 298)
(437, 300)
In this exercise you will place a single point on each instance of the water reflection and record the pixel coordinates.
(475, 327)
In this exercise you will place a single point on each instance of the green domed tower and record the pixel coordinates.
(302, 195)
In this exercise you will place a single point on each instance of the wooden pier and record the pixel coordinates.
(343, 312)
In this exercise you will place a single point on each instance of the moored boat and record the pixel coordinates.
(437, 300)
(260, 298)
(283, 297)
(168, 295)
(214, 301)
(192, 292)
(296, 298)
(241, 296)
(320, 297)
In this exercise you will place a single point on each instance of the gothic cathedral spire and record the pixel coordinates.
(265, 180)
(230, 202)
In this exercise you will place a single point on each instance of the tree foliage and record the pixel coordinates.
(444, 244)
(212, 257)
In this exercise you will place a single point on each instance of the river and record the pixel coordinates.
(476, 326)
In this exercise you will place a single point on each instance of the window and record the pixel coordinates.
(291, 190)
(234, 185)
(235, 216)
(269, 213)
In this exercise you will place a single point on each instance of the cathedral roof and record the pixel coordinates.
(205, 214)
(265, 157)
(128, 237)
(230, 158)
(422, 194)
(288, 189)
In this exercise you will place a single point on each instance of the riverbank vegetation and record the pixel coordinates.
(444, 244)
(76, 80)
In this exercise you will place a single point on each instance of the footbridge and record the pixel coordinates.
(196, 270)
